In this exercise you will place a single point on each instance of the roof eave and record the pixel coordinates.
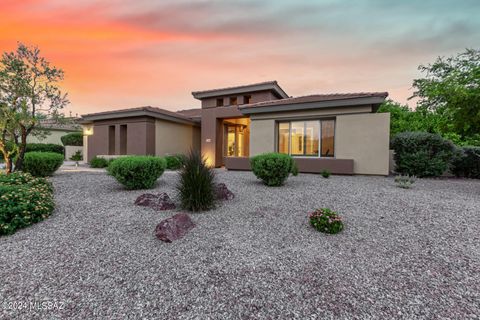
(311, 105)
(87, 119)
(230, 91)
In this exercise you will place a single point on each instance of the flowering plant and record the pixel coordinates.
(326, 220)
(23, 200)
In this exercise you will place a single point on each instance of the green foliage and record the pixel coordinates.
(326, 220)
(28, 86)
(137, 172)
(403, 119)
(422, 154)
(451, 88)
(175, 162)
(72, 139)
(45, 147)
(77, 156)
(466, 162)
(196, 187)
(405, 181)
(24, 200)
(99, 162)
(273, 168)
(325, 173)
(42, 164)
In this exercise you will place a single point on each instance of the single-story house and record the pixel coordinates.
(54, 130)
(339, 132)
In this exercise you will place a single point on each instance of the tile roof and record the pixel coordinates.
(260, 86)
(69, 124)
(237, 87)
(187, 115)
(316, 98)
(192, 113)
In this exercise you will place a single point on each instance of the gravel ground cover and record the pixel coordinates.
(403, 254)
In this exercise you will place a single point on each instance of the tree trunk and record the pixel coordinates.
(21, 152)
(8, 165)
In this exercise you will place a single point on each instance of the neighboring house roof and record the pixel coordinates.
(315, 101)
(67, 124)
(262, 86)
(154, 112)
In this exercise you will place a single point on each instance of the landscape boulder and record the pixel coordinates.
(174, 227)
(158, 202)
(222, 192)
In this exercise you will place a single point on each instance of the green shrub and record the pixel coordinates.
(422, 154)
(24, 200)
(273, 168)
(137, 172)
(77, 156)
(175, 162)
(196, 187)
(42, 164)
(405, 181)
(44, 147)
(99, 162)
(326, 220)
(466, 162)
(325, 173)
(72, 139)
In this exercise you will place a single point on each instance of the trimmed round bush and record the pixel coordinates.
(24, 201)
(137, 172)
(42, 164)
(98, 162)
(466, 162)
(273, 168)
(72, 139)
(45, 147)
(196, 187)
(422, 154)
(175, 162)
(326, 220)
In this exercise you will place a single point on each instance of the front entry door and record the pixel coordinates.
(234, 140)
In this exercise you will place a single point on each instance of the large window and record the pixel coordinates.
(307, 138)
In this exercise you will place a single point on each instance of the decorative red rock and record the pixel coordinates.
(174, 227)
(222, 192)
(158, 202)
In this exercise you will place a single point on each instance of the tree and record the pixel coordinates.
(402, 118)
(451, 88)
(29, 90)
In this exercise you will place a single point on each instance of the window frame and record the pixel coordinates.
(220, 102)
(319, 155)
(233, 101)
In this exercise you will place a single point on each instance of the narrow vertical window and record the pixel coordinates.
(297, 138)
(247, 99)
(312, 130)
(283, 137)
(220, 102)
(328, 138)
(233, 101)
(111, 140)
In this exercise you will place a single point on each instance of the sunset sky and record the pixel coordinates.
(120, 53)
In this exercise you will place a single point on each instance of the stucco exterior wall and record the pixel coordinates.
(258, 96)
(53, 137)
(140, 137)
(364, 138)
(361, 137)
(262, 136)
(173, 138)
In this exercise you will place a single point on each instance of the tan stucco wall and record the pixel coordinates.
(53, 137)
(361, 137)
(173, 138)
(262, 136)
(364, 138)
